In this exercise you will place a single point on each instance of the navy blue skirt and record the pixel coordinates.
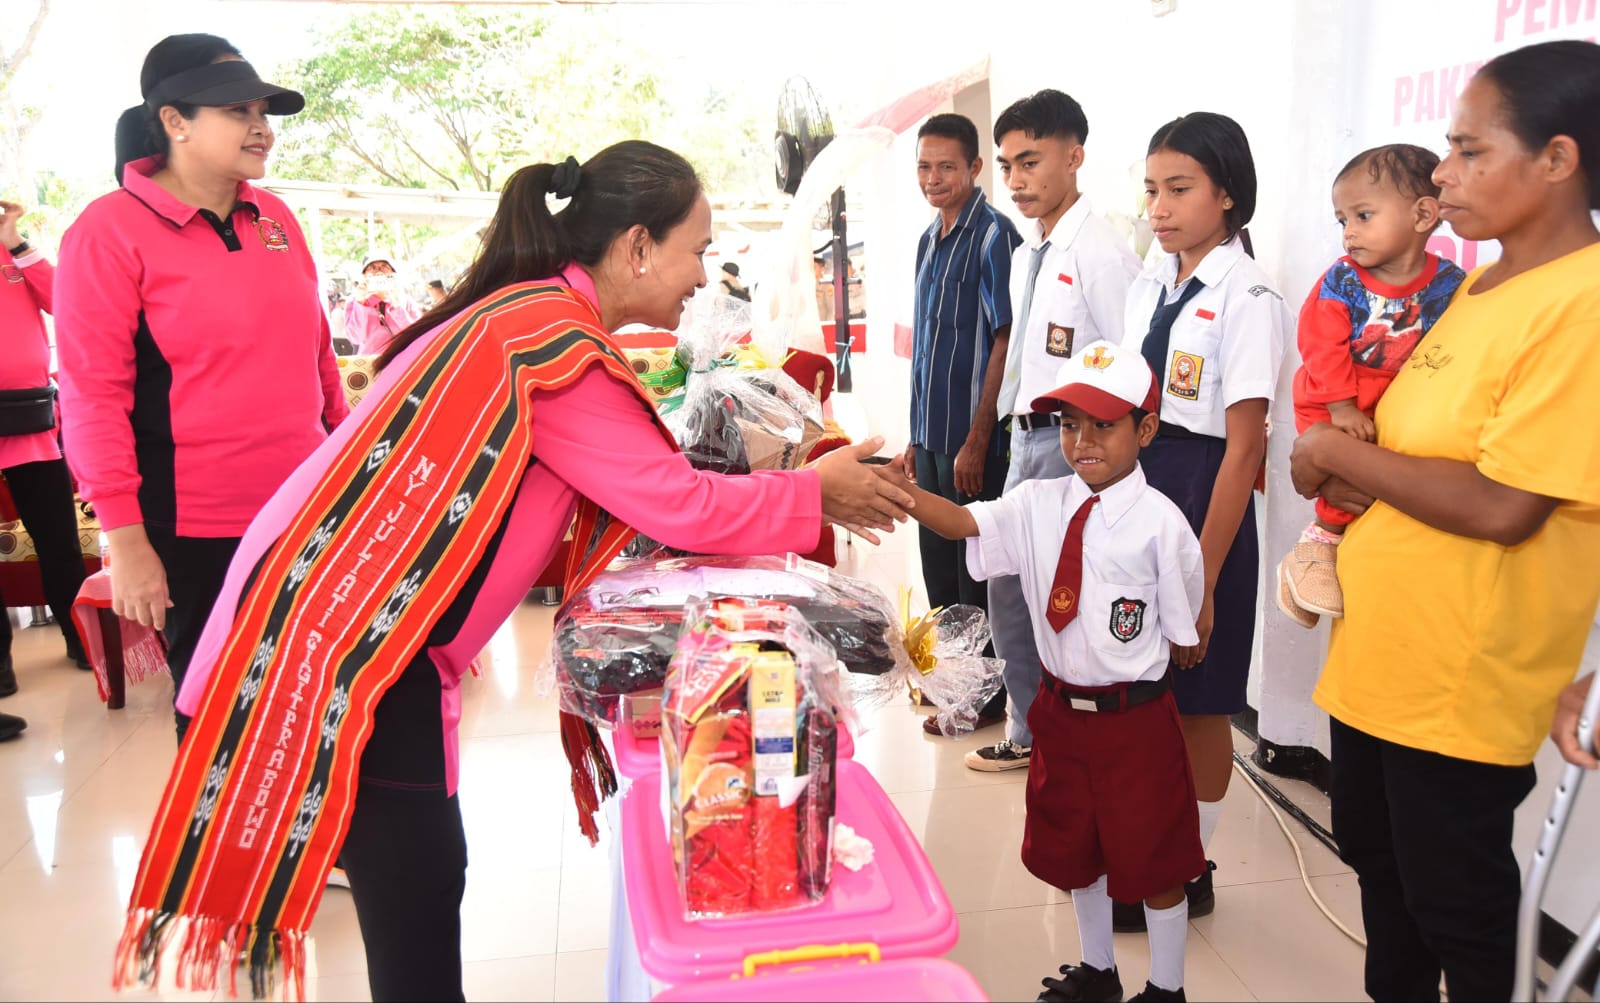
(1185, 471)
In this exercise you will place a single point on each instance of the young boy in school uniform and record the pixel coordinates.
(1112, 575)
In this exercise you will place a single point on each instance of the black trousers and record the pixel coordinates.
(1429, 837)
(42, 492)
(406, 851)
(195, 567)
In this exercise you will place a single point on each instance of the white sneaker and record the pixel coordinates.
(999, 757)
(337, 878)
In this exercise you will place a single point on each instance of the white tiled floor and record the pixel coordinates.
(78, 789)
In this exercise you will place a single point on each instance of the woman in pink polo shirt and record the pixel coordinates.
(30, 457)
(196, 365)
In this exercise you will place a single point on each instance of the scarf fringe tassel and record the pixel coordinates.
(593, 778)
(207, 948)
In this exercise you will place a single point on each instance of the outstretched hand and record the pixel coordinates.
(855, 496)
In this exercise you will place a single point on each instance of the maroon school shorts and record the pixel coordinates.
(1111, 793)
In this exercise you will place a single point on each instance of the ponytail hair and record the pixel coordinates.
(1221, 148)
(140, 133)
(633, 183)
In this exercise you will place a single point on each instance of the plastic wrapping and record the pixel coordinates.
(740, 411)
(750, 738)
(618, 635)
(946, 646)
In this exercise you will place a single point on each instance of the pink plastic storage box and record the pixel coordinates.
(895, 902)
(905, 979)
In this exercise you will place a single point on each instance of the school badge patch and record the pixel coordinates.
(271, 233)
(1059, 341)
(1183, 380)
(1127, 619)
(1061, 600)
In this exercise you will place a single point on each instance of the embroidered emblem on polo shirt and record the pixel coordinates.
(1433, 359)
(1059, 341)
(1061, 600)
(1184, 378)
(11, 272)
(271, 233)
(1127, 619)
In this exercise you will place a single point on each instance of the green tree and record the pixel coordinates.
(459, 98)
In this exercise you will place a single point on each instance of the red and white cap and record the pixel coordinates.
(1107, 381)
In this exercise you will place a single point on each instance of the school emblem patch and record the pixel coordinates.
(1098, 359)
(1061, 600)
(1059, 341)
(12, 273)
(271, 233)
(1183, 380)
(1127, 619)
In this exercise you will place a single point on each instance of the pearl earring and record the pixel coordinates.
(183, 139)
(641, 271)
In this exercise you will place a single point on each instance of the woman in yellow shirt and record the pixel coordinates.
(1472, 575)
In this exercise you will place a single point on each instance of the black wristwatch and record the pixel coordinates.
(19, 250)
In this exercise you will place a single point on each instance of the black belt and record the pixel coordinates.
(1038, 419)
(1168, 430)
(1125, 696)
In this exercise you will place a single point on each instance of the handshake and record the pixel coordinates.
(863, 492)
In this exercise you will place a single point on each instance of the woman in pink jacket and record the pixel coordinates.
(326, 685)
(30, 456)
(379, 310)
(197, 369)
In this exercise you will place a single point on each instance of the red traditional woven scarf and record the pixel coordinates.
(261, 794)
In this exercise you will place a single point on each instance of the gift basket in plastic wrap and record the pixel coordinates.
(946, 647)
(750, 719)
(614, 640)
(736, 410)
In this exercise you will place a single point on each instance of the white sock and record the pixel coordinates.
(1093, 908)
(1210, 813)
(1167, 929)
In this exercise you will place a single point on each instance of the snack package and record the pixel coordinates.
(617, 636)
(749, 733)
(946, 645)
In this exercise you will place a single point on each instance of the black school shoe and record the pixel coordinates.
(1083, 984)
(8, 675)
(1155, 994)
(11, 726)
(1128, 917)
(79, 659)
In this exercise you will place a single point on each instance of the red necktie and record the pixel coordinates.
(1069, 571)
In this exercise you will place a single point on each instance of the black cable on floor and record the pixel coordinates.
(1296, 812)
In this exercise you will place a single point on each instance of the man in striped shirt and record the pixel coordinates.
(962, 323)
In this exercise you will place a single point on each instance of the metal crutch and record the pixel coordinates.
(1555, 825)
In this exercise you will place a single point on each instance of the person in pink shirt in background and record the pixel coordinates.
(197, 368)
(378, 310)
(35, 474)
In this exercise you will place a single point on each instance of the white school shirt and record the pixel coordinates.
(1228, 344)
(1143, 574)
(1079, 297)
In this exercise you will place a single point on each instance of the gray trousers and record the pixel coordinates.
(1035, 456)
